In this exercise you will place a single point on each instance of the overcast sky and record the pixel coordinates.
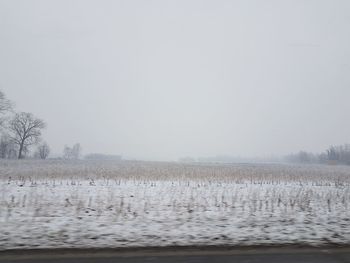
(165, 79)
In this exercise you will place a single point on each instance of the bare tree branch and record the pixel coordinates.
(5, 106)
(25, 131)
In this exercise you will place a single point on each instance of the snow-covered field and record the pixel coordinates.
(122, 204)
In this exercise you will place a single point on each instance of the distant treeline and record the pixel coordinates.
(338, 154)
(230, 159)
(101, 156)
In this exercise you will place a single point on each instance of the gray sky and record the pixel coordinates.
(165, 79)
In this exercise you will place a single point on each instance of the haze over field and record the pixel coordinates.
(165, 79)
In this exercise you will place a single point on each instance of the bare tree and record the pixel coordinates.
(42, 151)
(7, 148)
(5, 106)
(72, 153)
(67, 152)
(76, 151)
(4, 144)
(25, 131)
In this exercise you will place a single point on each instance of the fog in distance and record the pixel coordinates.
(158, 80)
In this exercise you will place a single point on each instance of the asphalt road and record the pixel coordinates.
(269, 255)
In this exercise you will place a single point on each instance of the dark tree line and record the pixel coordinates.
(338, 154)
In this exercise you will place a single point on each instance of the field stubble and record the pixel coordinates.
(62, 204)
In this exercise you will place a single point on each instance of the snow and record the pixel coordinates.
(60, 204)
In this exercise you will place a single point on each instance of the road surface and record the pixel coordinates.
(195, 255)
